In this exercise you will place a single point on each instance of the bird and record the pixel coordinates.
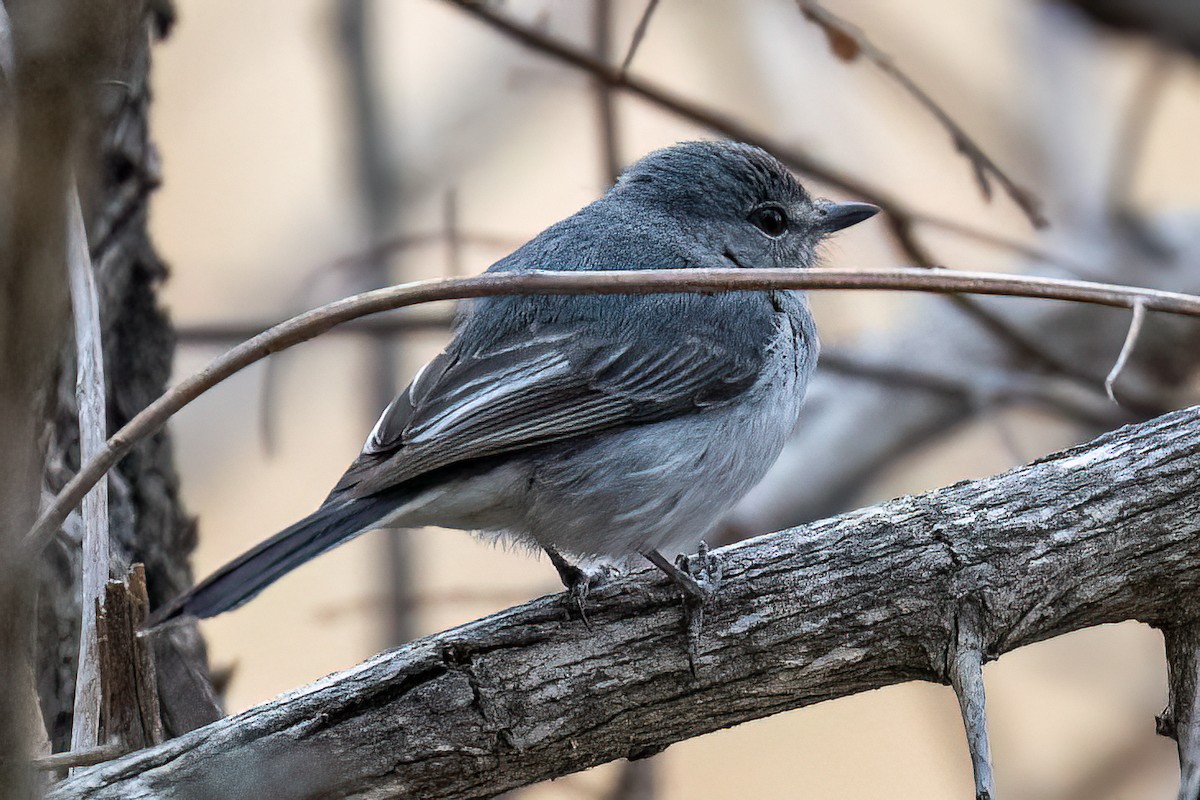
(597, 428)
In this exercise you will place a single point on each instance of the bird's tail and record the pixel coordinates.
(256, 569)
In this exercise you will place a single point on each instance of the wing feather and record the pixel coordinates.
(467, 406)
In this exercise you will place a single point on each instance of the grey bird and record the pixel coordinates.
(595, 427)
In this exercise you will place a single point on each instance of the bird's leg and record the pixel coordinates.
(578, 580)
(697, 577)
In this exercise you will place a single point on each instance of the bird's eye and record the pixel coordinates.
(771, 220)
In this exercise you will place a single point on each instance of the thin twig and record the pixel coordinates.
(710, 118)
(453, 236)
(848, 42)
(1001, 242)
(377, 189)
(606, 112)
(1129, 154)
(230, 333)
(93, 427)
(1082, 404)
(639, 33)
(1135, 328)
(315, 322)
(78, 758)
(1130, 147)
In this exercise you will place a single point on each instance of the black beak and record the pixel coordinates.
(835, 216)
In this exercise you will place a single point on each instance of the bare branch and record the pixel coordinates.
(606, 111)
(1056, 394)
(230, 333)
(90, 392)
(966, 676)
(1108, 531)
(639, 33)
(130, 680)
(1063, 261)
(848, 42)
(1181, 720)
(78, 758)
(1130, 148)
(313, 323)
(708, 117)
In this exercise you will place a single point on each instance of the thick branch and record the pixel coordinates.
(1100, 533)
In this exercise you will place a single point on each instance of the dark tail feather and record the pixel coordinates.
(250, 573)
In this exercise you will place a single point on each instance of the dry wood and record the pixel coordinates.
(77, 758)
(1103, 532)
(131, 716)
(93, 430)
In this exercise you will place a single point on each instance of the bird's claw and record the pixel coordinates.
(583, 580)
(698, 578)
(580, 581)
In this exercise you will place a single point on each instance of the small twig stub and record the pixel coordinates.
(1135, 329)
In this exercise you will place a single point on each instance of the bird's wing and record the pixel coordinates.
(550, 387)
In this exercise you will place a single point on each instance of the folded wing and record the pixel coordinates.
(546, 388)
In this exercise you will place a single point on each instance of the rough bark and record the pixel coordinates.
(147, 521)
(1104, 532)
(50, 53)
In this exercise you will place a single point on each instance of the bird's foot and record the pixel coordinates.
(698, 578)
(580, 581)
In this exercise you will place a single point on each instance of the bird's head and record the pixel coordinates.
(737, 200)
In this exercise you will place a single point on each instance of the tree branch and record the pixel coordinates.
(1100, 533)
(848, 42)
(93, 430)
(639, 33)
(313, 323)
(1181, 720)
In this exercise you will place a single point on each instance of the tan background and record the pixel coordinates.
(250, 116)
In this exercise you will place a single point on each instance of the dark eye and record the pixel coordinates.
(771, 220)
